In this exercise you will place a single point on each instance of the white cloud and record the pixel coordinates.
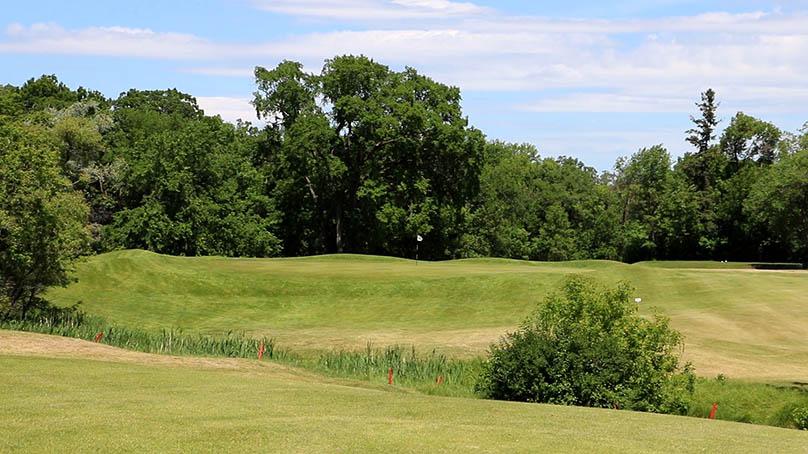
(610, 102)
(362, 10)
(229, 108)
(220, 71)
(755, 60)
(106, 41)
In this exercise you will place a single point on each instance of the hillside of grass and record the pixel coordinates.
(743, 323)
(84, 395)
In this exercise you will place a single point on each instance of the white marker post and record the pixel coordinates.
(418, 239)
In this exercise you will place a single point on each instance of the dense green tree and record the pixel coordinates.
(361, 158)
(371, 156)
(748, 138)
(10, 101)
(778, 202)
(642, 183)
(48, 92)
(42, 219)
(505, 219)
(187, 182)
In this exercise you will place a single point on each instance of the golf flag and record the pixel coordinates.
(419, 238)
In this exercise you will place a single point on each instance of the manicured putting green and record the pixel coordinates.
(739, 321)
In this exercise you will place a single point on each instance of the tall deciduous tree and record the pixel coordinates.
(188, 183)
(370, 156)
(747, 138)
(42, 219)
(779, 202)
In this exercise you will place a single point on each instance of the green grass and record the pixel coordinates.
(73, 404)
(171, 341)
(740, 322)
(754, 403)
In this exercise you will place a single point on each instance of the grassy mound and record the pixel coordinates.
(739, 321)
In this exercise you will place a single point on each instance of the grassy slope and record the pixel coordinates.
(740, 322)
(123, 401)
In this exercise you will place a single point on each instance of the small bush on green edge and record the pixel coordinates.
(587, 346)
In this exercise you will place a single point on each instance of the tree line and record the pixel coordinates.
(361, 158)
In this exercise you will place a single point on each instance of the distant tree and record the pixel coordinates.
(778, 202)
(748, 138)
(739, 238)
(556, 239)
(703, 133)
(700, 165)
(368, 158)
(10, 102)
(187, 182)
(42, 219)
(507, 210)
(48, 92)
(642, 182)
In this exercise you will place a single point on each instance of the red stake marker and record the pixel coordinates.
(98, 337)
(390, 376)
(439, 380)
(261, 351)
(712, 412)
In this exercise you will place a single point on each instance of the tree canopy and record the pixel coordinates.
(361, 158)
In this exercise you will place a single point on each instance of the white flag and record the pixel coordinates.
(419, 238)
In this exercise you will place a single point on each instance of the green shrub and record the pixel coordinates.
(588, 346)
(800, 417)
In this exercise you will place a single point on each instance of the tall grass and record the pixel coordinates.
(756, 403)
(73, 323)
(432, 372)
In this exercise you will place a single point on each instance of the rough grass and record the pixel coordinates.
(73, 403)
(755, 403)
(743, 323)
(171, 341)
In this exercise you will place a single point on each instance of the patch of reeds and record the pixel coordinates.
(429, 371)
(74, 323)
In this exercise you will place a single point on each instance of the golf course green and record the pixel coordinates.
(736, 320)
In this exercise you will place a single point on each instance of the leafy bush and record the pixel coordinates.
(588, 346)
(800, 417)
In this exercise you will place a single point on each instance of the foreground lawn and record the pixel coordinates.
(741, 322)
(65, 395)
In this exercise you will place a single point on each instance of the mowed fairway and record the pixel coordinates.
(85, 396)
(736, 320)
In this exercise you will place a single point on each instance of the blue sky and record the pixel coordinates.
(590, 79)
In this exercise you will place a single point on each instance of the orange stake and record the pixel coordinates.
(712, 412)
(98, 337)
(261, 351)
(439, 380)
(390, 376)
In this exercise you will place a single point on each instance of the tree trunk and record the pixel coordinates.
(338, 216)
